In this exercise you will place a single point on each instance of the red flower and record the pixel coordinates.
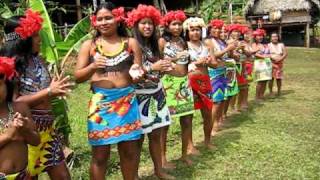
(216, 23)
(93, 20)
(29, 25)
(143, 11)
(7, 67)
(245, 29)
(234, 27)
(119, 14)
(259, 32)
(172, 16)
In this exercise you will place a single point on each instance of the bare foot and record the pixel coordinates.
(209, 146)
(214, 132)
(168, 165)
(194, 152)
(187, 161)
(163, 175)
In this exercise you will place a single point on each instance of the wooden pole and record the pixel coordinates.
(79, 11)
(307, 33)
(280, 31)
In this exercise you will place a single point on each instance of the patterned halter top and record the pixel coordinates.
(171, 50)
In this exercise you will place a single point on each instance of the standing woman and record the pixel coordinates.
(178, 92)
(278, 54)
(200, 58)
(36, 88)
(111, 61)
(150, 93)
(262, 63)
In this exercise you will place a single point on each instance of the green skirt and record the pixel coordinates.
(231, 71)
(178, 95)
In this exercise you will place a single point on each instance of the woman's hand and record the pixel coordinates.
(60, 86)
(99, 62)
(136, 72)
(162, 65)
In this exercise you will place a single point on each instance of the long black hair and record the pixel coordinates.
(151, 42)
(16, 47)
(121, 29)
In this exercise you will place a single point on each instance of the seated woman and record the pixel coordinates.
(17, 129)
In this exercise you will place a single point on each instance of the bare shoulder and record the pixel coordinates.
(21, 107)
(162, 41)
(87, 44)
(132, 42)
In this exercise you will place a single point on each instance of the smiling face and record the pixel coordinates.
(259, 38)
(175, 28)
(223, 34)
(247, 36)
(215, 32)
(235, 35)
(106, 23)
(274, 38)
(146, 27)
(195, 33)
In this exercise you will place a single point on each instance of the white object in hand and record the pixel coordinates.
(192, 67)
(135, 71)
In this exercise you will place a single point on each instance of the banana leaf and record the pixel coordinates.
(49, 53)
(79, 30)
(60, 108)
(5, 11)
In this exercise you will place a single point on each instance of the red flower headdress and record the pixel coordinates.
(216, 23)
(118, 13)
(259, 32)
(143, 11)
(172, 16)
(245, 29)
(234, 27)
(7, 67)
(30, 24)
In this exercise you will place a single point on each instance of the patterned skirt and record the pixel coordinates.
(219, 84)
(241, 75)
(202, 89)
(153, 108)
(232, 88)
(22, 175)
(49, 152)
(277, 70)
(178, 95)
(248, 66)
(263, 69)
(113, 116)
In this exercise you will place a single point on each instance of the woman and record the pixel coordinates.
(200, 58)
(247, 66)
(220, 49)
(262, 64)
(17, 129)
(36, 89)
(278, 54)
(178, 92)
(110, 61)
(150, 92)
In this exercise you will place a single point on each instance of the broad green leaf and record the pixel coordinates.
(52, 56)
(79, 30)
(5, 11)
(48, 47)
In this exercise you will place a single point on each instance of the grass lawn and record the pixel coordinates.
(276, 140)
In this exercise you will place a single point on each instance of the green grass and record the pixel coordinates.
(276, 140)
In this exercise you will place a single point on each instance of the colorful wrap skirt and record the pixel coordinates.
(202, 89)
(22, 175)
(231, 71)
(178, 95)
(262, 69)
(218, 83)
(153, 108)
(241, 75)
(49, 152)
(113, 116)
(248, 66)
(277, 70)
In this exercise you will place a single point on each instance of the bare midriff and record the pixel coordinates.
(14, 157)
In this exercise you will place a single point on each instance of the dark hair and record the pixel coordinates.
(152, 42)
(186, 35)
(18, 48)
(209, 32)
(10, 90)
(121, 29)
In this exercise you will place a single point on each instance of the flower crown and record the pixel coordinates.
(216, 23)
(259, 32)
(143, 11)
(118, 13)
(234, 27)
(245, 29)
(173, 15)
(193, 21)
(7, 67)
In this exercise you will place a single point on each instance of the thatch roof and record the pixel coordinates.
(266, 6)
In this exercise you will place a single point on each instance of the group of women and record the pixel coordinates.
(139, 84)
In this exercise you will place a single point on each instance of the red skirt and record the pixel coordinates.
(241, 74)
(201, 88)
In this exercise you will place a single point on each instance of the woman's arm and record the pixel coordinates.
(133, 44)
(6, 137)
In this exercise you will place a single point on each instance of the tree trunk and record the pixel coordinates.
(79, 11)
(307, 38)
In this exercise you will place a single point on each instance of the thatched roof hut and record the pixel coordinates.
(289, 17)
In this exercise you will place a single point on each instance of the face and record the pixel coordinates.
(247, 36)
(106, 23)
(215, 32)
(36, 43)
(223, 34)
(3, 88)
(175, 28)
(235, 35)
(195, 33)
(259, 38)
(146, 27)
(274, 38)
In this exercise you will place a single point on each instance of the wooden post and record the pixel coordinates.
(307, 35)
(197, 6)
(280, 31)
(79, 11)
